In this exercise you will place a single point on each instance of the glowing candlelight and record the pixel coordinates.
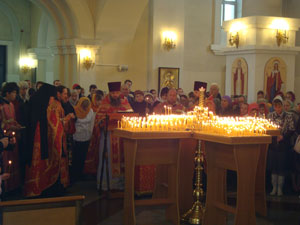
(9, 166)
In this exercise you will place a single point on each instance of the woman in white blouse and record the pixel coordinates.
(84, 127)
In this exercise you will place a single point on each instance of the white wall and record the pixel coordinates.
(292, 9)
(262, 8)
(200, 64)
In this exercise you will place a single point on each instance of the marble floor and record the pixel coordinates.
(283, 210)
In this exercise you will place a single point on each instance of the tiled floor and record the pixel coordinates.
(281, 210)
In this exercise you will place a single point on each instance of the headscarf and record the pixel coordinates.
(228, 99)
(93, 103)
(73, 103)
(252, 106)
(291, 104)
(38, 105)
(80, 112)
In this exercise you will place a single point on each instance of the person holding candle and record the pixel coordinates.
(10, 124)
(277, 162)
(171, 105)
(6, 144)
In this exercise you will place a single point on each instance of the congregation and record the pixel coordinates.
(53, 136)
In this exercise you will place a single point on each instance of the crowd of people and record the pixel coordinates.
(52, 136)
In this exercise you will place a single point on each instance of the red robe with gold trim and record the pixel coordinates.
(8, 120)
(117, 152)
(42, 174)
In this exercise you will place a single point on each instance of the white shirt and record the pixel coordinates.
(84, 127)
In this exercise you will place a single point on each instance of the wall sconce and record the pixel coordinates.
(234, 37)
(86, 59)
(281, 37)
(26, 64)
(281, 27)
(169, 40)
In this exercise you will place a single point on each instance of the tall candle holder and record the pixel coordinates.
(196, 213)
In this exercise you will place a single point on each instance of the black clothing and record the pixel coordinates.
(140, 108)
(38, 105)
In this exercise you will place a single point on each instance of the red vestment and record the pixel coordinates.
(43, 173)
(274, 83)
(235, 78)
(117, 152)
(8, 121)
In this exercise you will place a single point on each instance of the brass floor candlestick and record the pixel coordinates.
(196, 213)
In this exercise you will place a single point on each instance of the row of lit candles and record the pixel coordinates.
(199, 120)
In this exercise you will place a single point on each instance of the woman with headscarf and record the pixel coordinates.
(47, 163)
(279, 148)
(74, 97)
(253, 109)
(84, 126)
(226, 106)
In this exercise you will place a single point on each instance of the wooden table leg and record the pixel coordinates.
(246, 158)
(260, 183)
(186, 173)
(216, 189)
(129, 207)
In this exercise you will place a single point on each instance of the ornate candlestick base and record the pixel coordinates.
(196, 213)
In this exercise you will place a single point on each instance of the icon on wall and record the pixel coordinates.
(168, 77)
(239, 77)
(275, 77)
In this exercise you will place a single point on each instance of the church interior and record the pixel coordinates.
(241, 46)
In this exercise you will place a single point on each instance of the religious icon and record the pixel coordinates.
(275, 76)
(168, 77)
(239, 77)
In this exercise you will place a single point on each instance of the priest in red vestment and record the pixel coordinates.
(47, 171)
(112, 103)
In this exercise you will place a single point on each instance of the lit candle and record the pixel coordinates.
(9, 166)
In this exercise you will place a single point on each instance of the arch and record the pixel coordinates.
(13, 21)
(66, 14)
(119, 19)
(52, 15)
(83, 17)
(42, 38)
